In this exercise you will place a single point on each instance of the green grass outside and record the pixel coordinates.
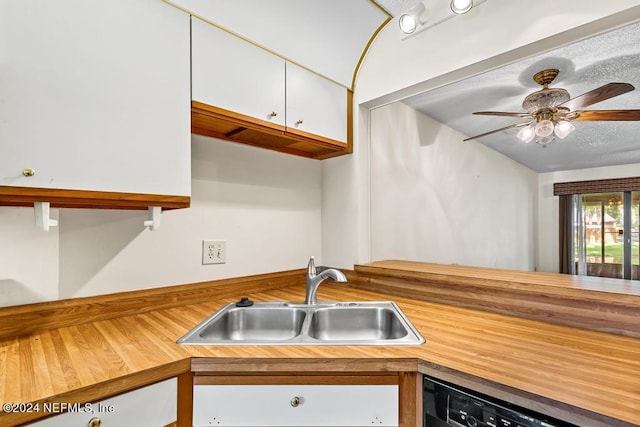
(615, 250)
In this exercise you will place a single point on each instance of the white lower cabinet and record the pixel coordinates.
(151, 406)
(295, 405)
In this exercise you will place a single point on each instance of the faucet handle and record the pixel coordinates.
(311, 267)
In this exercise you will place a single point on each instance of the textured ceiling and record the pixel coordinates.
(396, 7)
(584, 66)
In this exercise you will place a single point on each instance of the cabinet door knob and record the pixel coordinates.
(298, 122)
(295, 401)
(273, 114)
(95, 422)
(28, 172)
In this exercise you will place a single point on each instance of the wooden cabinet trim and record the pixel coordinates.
(185, 400)
(242, 366)
(211, 121)
(87, 199)
(410, 395)
(305, 378)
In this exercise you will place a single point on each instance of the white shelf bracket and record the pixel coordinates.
(43, 212)
(154, 218)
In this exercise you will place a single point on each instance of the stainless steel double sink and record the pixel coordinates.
(281, 323)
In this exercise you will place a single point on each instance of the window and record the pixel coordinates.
(599, 230)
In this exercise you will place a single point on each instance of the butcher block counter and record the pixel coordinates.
(91, 348)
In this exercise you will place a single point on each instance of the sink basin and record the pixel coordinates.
(356, 323)
(279, 323)
(257, 324)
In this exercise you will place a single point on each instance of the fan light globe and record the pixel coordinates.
(526, 134)
(545, 139)
(544, 128)
(563, 129)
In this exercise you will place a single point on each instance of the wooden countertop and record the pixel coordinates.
(593, 370)
(566, 282)
(601, 304)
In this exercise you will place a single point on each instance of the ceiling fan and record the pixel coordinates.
(550, 111)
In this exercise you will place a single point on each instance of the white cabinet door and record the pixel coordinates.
(151, 406)
(315, 104)
(95, 95)
(233, 74)
(295, 405)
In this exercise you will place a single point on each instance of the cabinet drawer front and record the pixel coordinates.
(151, 406)
(232, 74)
(295, 405)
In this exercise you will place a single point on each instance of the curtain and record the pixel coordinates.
(566, 244)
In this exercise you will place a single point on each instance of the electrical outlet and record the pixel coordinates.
(214, 252)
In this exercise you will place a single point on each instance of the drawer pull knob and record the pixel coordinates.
(298, 122)
(295, 401)
(273, 114)
(28, 172)
(95, 422)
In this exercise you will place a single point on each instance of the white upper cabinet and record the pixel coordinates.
(235, 75)
(95, 95)
(315, 104)
(326, 36)
(321, 44)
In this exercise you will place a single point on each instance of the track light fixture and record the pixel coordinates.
(461, 6)
(414, 17)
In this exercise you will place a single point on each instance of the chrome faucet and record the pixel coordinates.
(314, 280)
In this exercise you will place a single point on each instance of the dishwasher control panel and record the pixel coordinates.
(449, 405)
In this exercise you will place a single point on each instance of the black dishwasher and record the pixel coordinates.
(449, 405)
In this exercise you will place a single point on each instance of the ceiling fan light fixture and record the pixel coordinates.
(544, 128)
(544, 140)
(410, 20)
(526, 134)
(563, 129)
(551, 110)
(461, 6)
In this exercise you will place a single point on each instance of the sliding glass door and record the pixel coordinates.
(599, 227)
(599, 234)
(606, 234)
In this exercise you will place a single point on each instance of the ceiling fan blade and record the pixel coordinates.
(517, 125)
(501, 113)
(608, 115)
(597, 95)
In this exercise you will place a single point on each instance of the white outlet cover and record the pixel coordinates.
(214, 252)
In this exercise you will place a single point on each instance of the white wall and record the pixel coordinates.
(548, 206)
(28, 258)
(436, 199)
(266, 205)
